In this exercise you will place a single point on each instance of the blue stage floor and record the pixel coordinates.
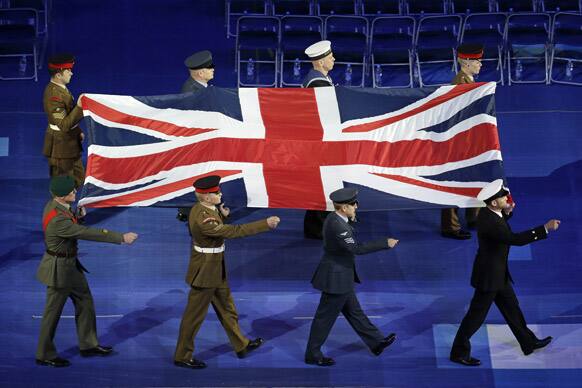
(420, 290)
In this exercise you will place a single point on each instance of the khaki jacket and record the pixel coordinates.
(208, 230)
(462, 78)
(61, 232)
(63, 135)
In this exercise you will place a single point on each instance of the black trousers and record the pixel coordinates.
(330, 306)
(507, 303)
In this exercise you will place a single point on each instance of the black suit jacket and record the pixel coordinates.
(490, 270)
(336, 272)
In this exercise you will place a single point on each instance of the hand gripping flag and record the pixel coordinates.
(290, 148)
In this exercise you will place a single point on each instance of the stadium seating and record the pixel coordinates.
(257, 50)
(566, 57)
(19, 43)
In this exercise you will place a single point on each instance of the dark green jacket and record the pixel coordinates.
(61, 232)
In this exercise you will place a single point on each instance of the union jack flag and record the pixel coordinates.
(290, 148)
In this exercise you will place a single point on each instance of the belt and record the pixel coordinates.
(209, 250)
(57, 254)
(54, 127)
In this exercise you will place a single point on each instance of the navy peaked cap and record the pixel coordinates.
(345, 195)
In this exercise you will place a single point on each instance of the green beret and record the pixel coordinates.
(62, 185)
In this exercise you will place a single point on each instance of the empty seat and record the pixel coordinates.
(425, 6)
(237, 8)
(560, 5)
(436, 41)
(566, 58)
(297, 33)
(292, 7)
(392, 42)
(381, 7)
(257, 50)
(488, 29)
(516, 5)
(349, 42)
(469, 6)
(18, 43)
(528, 38)
(336, 7)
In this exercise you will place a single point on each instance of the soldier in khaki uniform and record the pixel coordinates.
(63, 138)
(62, 273)
(469, 57)
(207, 273)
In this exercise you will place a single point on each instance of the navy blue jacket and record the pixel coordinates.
(191, 85)
(336, 272)
(315, 79)
(491, 270)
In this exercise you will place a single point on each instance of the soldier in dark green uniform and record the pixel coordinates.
(62, 273)
(63, 138)
(469, 57)
(207, 272)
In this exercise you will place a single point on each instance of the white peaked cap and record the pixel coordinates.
(493, 189)
(318, 50)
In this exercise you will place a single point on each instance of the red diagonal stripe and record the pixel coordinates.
(466, 191)
(116, 116)
(297, 156)
(142, 195)
(453, 93)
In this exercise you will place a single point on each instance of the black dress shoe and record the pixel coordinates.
(457, 234)
(538, 344)
(97, 351)
(253, 344)
(466, 361)
(192, 364)
(323, 361)
(55, 362)
(384, 344)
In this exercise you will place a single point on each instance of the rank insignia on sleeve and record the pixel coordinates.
(59, 115)
(209, 219)
(55, 98)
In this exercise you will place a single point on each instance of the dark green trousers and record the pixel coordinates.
(84, 318)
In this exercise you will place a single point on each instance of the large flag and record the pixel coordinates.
(290, 148)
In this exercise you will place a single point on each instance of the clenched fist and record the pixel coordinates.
(552, 225)
(273, 221)
(129, 238)
(392, 242)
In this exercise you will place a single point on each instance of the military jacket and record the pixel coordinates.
(63, 135)
(462, 78)
(208, 230)
(60, 266)
(336, 272)
(490, 269)
(315, 79)
(191, 85)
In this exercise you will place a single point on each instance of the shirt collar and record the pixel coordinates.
(498, 212)
(59, 85)
(342, 217)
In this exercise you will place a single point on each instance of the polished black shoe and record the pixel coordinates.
(384, 344)
(192, 364)
(253, 344)
(55, 362)
(97, 351)
(466, 361)
(323, 361)
(457, 234)
(538, 344)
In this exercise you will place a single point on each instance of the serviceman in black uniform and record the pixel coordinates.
(491, 278)
(207, 272)
(63, 137)
(469, 57)
(322, 60)
(201, 70)
(335, 277)
(62, 273)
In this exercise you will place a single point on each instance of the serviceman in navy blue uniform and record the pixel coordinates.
(491, 278)
(201, 68)
(322, 60)
(335, 277)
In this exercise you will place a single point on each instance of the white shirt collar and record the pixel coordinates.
(498, 212)
(342, 217)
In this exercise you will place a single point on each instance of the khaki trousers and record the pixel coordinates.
(450, 218)
(198, 301)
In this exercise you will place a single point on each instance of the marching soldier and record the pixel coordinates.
(63, 138)
(335, 277)
(62, 272)
(322, 60)
(469, 58)
(207, 272)
(491, 278)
